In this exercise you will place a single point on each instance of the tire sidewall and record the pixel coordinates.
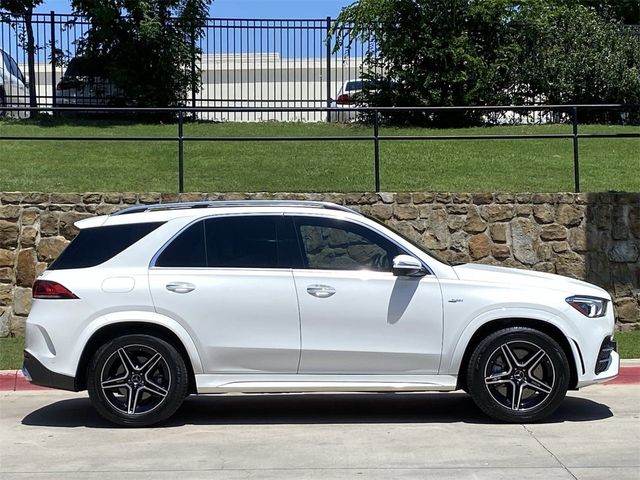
(483, 352)
(178, 386)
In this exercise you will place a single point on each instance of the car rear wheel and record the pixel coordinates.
(137, 380)
(518, 375)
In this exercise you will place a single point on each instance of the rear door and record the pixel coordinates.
(227, 280)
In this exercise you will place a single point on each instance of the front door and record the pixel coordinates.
(356, 316)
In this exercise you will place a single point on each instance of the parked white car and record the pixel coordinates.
(13, 87)
(347, 98)
(156, 302)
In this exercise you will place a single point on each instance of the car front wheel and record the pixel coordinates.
(137, 380)
(518, 375)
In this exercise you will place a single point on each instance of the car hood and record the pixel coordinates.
(527, 278)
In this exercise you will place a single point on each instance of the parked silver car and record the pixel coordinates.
(85, 83)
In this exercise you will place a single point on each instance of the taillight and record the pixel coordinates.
(343, 99)
(46, 289)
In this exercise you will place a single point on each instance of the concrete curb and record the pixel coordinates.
(14, 381)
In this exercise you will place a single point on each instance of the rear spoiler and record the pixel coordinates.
(91, 222)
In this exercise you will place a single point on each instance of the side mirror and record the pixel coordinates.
(408, 266)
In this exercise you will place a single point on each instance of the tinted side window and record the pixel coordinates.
(94, 246)
(339, 245)
(249, 242)
(186, 250)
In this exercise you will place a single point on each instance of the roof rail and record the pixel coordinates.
(233, 203)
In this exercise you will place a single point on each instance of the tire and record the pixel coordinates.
(518, 375)
(137, 380)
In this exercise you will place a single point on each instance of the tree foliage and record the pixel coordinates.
(627, 11)
(148, 47)
(582, 58)
(482, 52)
(24, 9)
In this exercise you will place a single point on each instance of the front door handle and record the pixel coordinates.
(321, 291)
(181, 287)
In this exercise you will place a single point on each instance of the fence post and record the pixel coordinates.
(576, 154)
(52, 17)
(328, 68)
(180, 152)
(193, 74)
(376, 150)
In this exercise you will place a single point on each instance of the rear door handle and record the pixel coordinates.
(321, 291)
(181, 287)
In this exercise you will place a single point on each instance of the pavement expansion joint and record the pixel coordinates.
(533, 435)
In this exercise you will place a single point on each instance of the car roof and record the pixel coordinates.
(170, 211)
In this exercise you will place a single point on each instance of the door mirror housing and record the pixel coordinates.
(408, 266)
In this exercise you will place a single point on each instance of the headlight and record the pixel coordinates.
(589, 306)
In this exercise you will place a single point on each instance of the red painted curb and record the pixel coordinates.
(14, 381)
(8, 380)
(629, 375)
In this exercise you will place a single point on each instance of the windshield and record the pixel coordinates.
(12, 66)
(85, 67)
(412, 242)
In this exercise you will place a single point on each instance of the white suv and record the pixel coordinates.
(156, 302)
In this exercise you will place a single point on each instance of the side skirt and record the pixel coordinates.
(266, 383)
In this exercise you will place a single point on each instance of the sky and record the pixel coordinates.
(246, 8)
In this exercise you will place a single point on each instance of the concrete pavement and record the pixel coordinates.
(55, 435)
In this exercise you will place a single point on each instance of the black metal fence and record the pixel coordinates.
(250, 63)
(572, 112)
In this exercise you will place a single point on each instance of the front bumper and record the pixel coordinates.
(609, 373)
(38, 374)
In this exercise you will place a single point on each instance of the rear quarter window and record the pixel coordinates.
(94, 246)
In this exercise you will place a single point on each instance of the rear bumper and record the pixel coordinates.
(38, 374)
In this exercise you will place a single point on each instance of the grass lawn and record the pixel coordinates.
(468, 165)
(11, 353)
(11, 349)
(628, 344)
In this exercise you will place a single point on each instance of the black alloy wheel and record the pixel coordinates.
(518, 375)
(137, 380)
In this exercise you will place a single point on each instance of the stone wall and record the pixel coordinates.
(594, 237)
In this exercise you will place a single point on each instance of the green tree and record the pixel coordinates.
(437, 53)
(627, 11)
(581, 57)
(24, 9)
(148, 48)
(482, 52)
